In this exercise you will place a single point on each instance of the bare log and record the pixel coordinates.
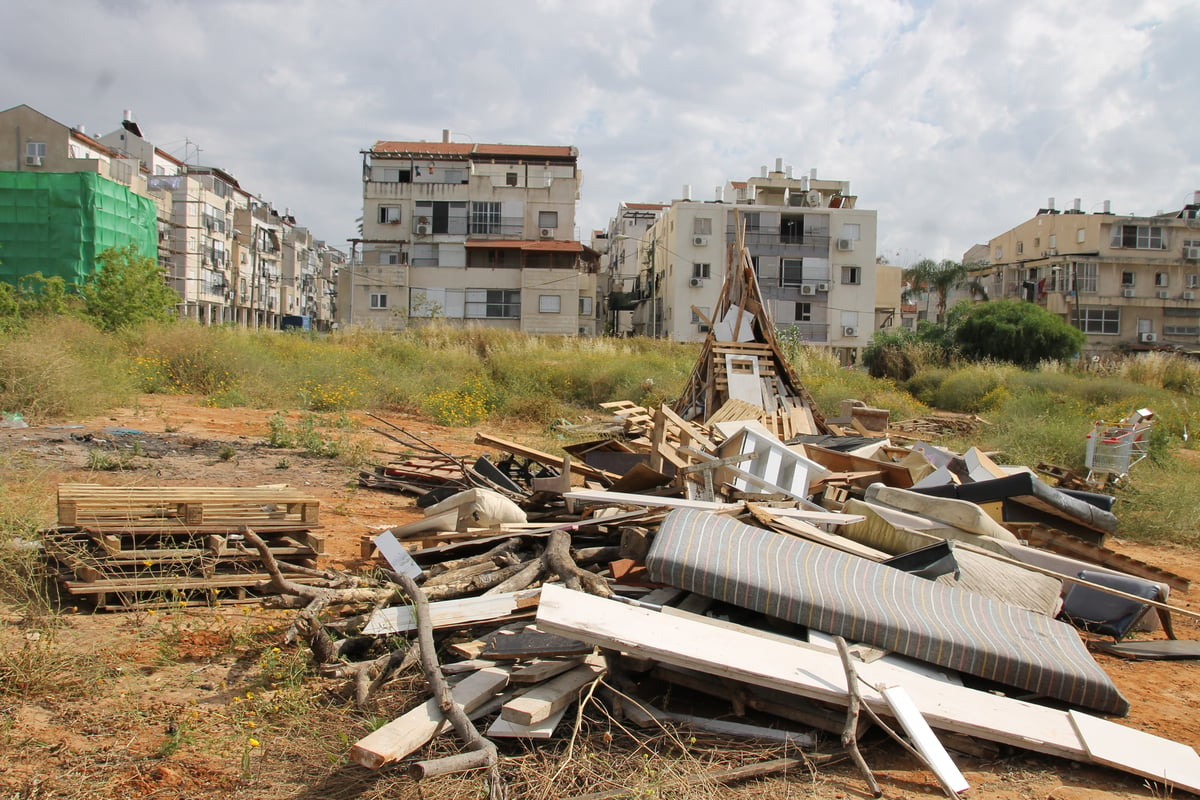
(454, 712)
(475, 583)
(507, 546)
(850, 732)
(530, 571)
(558, 560)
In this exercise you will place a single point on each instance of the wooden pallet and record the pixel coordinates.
(125, 508)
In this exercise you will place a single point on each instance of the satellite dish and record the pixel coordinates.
(813, 198)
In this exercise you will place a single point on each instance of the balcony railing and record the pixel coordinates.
(776, 236)
(812, 332)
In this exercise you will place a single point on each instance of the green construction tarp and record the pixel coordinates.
(56, 223)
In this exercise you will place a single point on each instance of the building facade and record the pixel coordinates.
(1127, 281)
(617, 247)
(186, 215)
(812, 249)
(470, 233)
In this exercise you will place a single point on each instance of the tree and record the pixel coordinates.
(126, 289)
(1016, 331)
(941, 277)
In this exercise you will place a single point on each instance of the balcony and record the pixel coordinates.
(810, 332)
(780, 241)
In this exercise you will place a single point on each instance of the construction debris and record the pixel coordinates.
(735, 549)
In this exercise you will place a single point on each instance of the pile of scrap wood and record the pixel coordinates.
(734, 550)
(126, 547)
(735, 578)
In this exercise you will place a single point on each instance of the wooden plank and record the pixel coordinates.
(548, 698)
(403, 735)
(644, 500)
(1068, 545)
(803, 670)
(453, 613)
(543, 669)
(924, 739)
(504, 729)
(543, 458)
(1170, 763)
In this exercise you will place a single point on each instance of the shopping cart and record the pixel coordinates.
(1114, 447)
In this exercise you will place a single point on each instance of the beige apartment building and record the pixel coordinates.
(1127, 281)
(617, 247)
(812, 248)
(471, 233)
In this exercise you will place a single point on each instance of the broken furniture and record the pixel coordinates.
(844, 595)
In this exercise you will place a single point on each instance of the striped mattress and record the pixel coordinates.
(841, 594)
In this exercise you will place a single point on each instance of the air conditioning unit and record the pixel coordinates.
(849, 330)
(700, 241)
(1127, 293)
(1188, 295)
(33, 161)
(547, 233)
(1162, 294)
(807, 288)
(696, 283)
(1148, 338)
(1192, 252)
(845, 244)
(823, 287)
(422, 230)
(703, 328)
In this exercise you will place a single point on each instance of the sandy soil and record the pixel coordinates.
(182, 444)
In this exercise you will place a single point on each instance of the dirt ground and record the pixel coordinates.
(186, 670)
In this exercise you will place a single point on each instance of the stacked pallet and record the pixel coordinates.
(140, 547)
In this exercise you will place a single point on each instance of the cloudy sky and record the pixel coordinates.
(955, 120)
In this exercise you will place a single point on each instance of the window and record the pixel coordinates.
(493, 304)
(852, 275)
(1020, 248)
(1160, 279)
(754, 264)
(791, 272)
(547, 219)
(1087, 276)
(1193, 281)
(389, 214)
(1127, 278)
(702, 226)
(1105, 321)
(803, 312)
(1052, 242)
(999, 252)
(851, 230)
(1081, 236)
(701, 270)
(35, 151)
(510, 179)
(585, 306)
(379, 300)
(485, 217)
(1181, 330)
(752, 221)
(549, 304)
(1141, 237)
(699, 315)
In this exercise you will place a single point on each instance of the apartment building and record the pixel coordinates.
(95, 193)
(812, 249)
(617, 247)
(472, 233)
(1127, 281)
(66, 197)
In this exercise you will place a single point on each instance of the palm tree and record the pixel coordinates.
(941, 277)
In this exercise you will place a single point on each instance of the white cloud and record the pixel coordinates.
(955, 120)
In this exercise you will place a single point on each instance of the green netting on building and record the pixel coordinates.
(56, 223)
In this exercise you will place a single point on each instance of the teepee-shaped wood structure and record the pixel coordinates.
(741, 372)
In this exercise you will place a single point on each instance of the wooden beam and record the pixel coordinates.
(542, 701)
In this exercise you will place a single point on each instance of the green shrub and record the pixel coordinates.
(970, 389)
